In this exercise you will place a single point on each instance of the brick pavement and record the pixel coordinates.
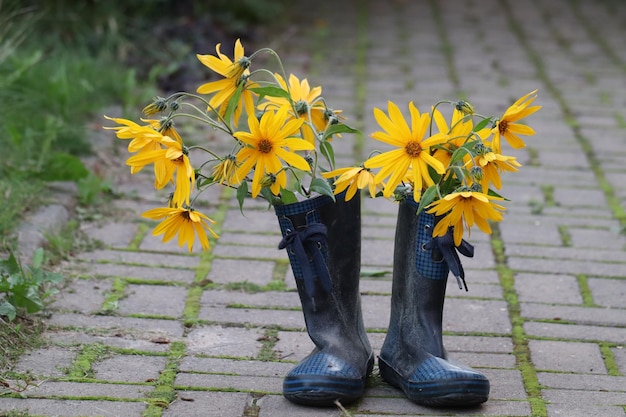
(145, 329)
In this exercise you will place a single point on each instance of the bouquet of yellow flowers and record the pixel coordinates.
(443, 167)
(285, 150)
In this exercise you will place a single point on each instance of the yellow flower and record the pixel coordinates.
(304, 100)
(465, 208)
(412, 158)
(506, 126)
(265, 146)
(235, 74)
(186, 222)
(169, 162)
(457, 134)
(352, 178)
(492, 164)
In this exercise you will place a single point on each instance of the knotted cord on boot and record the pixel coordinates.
(443, 248)
(307, 242)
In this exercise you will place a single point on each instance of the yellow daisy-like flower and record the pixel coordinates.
(169, 162)
(235, 73)
(465, 208)
(186, 222)
(353, 179)
(265, 147)
(413, 156)
(304, 98)
(457, 134)
(492, 164)
(507, 127)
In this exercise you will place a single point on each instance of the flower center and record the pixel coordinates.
(413, 149)
(502, 126)
(265, 146)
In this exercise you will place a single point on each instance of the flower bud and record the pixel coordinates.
(268, 180)
(465, 107)
(158, 105)
(477, 173)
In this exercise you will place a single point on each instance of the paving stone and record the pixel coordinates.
(82, 296)
(260, 299)
(593, 238)
(116, 234)
(235, 270)
(583, 398)
(140, 258)
(608, 292)
(224, 341)
(129, 368)
(556, 266)
(209, 404)
(119, 325)
(576, 332)
(581, 315)
(231, 382)
(580, 410)
(278, 406)
(87, 389)
(529, 233)
(577, 381)
(258, 317)
(547, 288)
(488, 316)
(553, 252)
(238, 367)
(567, 356)
(142, 272)
(158, 300)
(47, 361)
(401, 406)
(77, 338)
(245, 253)
(73, 408)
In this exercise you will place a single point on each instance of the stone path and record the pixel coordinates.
(146, 329)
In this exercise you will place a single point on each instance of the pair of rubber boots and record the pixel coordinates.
(323, 241)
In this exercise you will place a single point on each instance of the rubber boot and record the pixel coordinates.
(413, 357)
(323, 241)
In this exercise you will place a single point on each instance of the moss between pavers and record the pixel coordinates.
(164, 393)
(82, 365)
(115, 294)
(519, 339)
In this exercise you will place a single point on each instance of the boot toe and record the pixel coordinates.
(438, 383)
(321, 379)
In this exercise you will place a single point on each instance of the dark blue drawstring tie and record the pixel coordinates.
(443, 248)
(305, 241)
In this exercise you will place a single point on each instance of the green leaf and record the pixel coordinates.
(427, 197)
(482, 124)
(322, 186)
(287, 197)
(242, 193)
(233, 103)
(38, 258)
(271, 91)
(62, 166)
(338, 128)
(8, 310)
(460, 153)
(327, 151)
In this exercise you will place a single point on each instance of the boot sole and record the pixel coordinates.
(322, 391)
(446, 393)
